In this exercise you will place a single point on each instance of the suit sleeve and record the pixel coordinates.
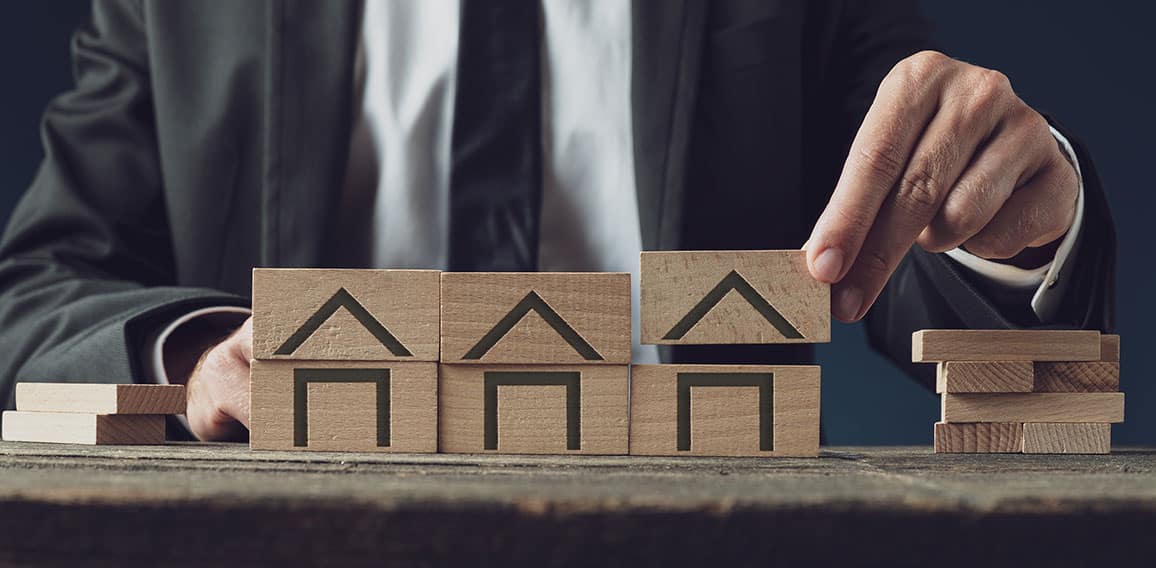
(929, 290)
(86, 266)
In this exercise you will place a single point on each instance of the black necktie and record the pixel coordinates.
(495, 155)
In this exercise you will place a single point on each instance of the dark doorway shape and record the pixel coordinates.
(569, 379)
(343, 299)
(303, 377)
(533, 302)
(733, 281)
(766, 384)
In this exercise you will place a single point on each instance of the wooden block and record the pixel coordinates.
(354, 315)
(1110, 348)
(1054, 438)
(1034, 407)
(100, 398)
(1088, 376)
(725, 422)
(343, 406)
(934, 345)
(594, 397)
(984, 376)
(979, 438)
(663, 418)
(78, 428)
(536, 318)
(712, 297)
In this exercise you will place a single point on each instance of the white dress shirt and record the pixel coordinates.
(589, 208)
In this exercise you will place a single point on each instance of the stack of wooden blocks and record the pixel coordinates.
(95, 414)
(424, 361)
(1013, 391)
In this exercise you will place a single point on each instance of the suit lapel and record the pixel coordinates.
(308, 117)
(667, 45)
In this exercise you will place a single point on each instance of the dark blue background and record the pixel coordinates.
(1088, 64)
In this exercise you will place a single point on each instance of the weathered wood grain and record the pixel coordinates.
(984, 376)
(90, 398)
(313, 314)
(979, 438)
(654, 417)
(1060, 438)
(78, 428)
(535, 318)
(724, 297)
(1033, 407)
(935, 345)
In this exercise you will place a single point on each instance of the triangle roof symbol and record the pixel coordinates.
(532, 302)
(343, 299)
(733, 281)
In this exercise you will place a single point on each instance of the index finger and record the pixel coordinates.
(904, 104)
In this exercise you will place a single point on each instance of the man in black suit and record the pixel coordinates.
(204, 139)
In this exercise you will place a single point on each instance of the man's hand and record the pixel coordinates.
(947, 156)
(218, 388)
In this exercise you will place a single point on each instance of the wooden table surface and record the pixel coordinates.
(202, 503)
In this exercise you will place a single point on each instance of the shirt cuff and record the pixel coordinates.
(1051, 279)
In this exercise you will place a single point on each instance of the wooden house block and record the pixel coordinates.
(1086, 376)
(1034, 407)
(935, 345)
(78, 428)
(345, 315)
(1059, 438)
(712, 297)
(535, 318)
(1110, 348)
(343, 406)
(979, 438)
(100, 398)
(984, 376)
(706, 410)
(539, 409)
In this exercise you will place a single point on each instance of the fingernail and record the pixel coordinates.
(828, 265)
(848, 302)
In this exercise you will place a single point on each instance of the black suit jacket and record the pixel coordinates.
(203, 139)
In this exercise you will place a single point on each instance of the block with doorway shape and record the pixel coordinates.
(725, 410)
(533, 409)
(354, 406)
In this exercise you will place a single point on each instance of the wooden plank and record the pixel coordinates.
(535, 318)
(725, 422)
(595, 398)
(1110, 347)
(1060, 438)
(935, 345)
(78, 428)
(345, 314)
(979, 438)
(726, 297)
(657, 428)
(1071, 376)
(984, 376)
(100, 398)
(532, 419)
(284, 416)
(1034, 407)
